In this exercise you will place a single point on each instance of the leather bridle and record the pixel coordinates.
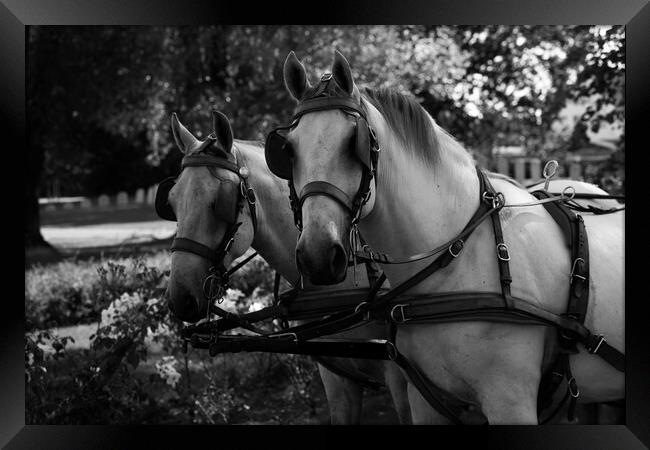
(216, 282)
(318, 102)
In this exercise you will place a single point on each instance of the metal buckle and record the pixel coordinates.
(326, 76)
(496, 199)
(601, 339)
(247, 193)
(503, 247)
(366, 248)
(367, 314)
(573, 268)
(488, 197)
(208, 289)
(572, 385)
(462, 244)
(284, 335)
(402, 319)
(567, 197)
(228, 245)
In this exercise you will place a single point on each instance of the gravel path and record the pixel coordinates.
(108, 234)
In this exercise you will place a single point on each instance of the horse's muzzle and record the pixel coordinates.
(322, 267)
(185, 307)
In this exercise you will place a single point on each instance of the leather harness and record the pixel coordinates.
(439, 308)
(396, 308)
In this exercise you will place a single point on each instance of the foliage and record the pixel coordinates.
(135, 371)
(95, 384)
(73, 292)
(104, 123)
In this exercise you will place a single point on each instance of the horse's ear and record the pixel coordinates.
(295, 76)
(342, 73)
(222, 129)
(184, 139)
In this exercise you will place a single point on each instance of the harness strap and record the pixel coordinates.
(446, 403)
(572, 388)
(588, 196)
(361, 349)
(575, 235)
(503, 255)
(325, 103)
(241, 264)
(488, 306)
(276, 288)
(549, 385)
(592, 209)
(453, 246)
(206, 159)
(328, 189)
(342, 371)
(191, 246)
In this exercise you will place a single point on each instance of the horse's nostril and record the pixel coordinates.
(338, 260)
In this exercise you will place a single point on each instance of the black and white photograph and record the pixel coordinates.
(295, 225)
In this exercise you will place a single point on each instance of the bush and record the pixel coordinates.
(135, 370)
(75, 292)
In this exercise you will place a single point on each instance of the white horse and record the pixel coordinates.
(425, 191)
(192, 200)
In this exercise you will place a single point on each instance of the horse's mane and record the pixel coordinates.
(408, 120)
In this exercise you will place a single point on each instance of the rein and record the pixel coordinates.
(431, 308)
(308, 338)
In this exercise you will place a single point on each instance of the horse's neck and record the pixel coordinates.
(417, 207)
(275, 239)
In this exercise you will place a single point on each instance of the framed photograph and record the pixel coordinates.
(183, 181)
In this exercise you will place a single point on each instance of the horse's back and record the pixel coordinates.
(606, 309)
(581, 187)
(605, 314)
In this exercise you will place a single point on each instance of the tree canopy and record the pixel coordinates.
(100, 98)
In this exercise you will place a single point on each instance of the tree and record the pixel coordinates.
(100, 98)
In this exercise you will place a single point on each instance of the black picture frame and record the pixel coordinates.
(16, 15)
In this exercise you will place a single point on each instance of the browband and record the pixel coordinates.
(325, 103)
(210, 160)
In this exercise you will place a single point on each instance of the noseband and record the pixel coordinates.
(216, 282)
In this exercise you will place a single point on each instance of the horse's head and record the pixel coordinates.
(327, 154)
(206, 199)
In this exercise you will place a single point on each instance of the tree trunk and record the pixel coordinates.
(33, 236)
(36, 248)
